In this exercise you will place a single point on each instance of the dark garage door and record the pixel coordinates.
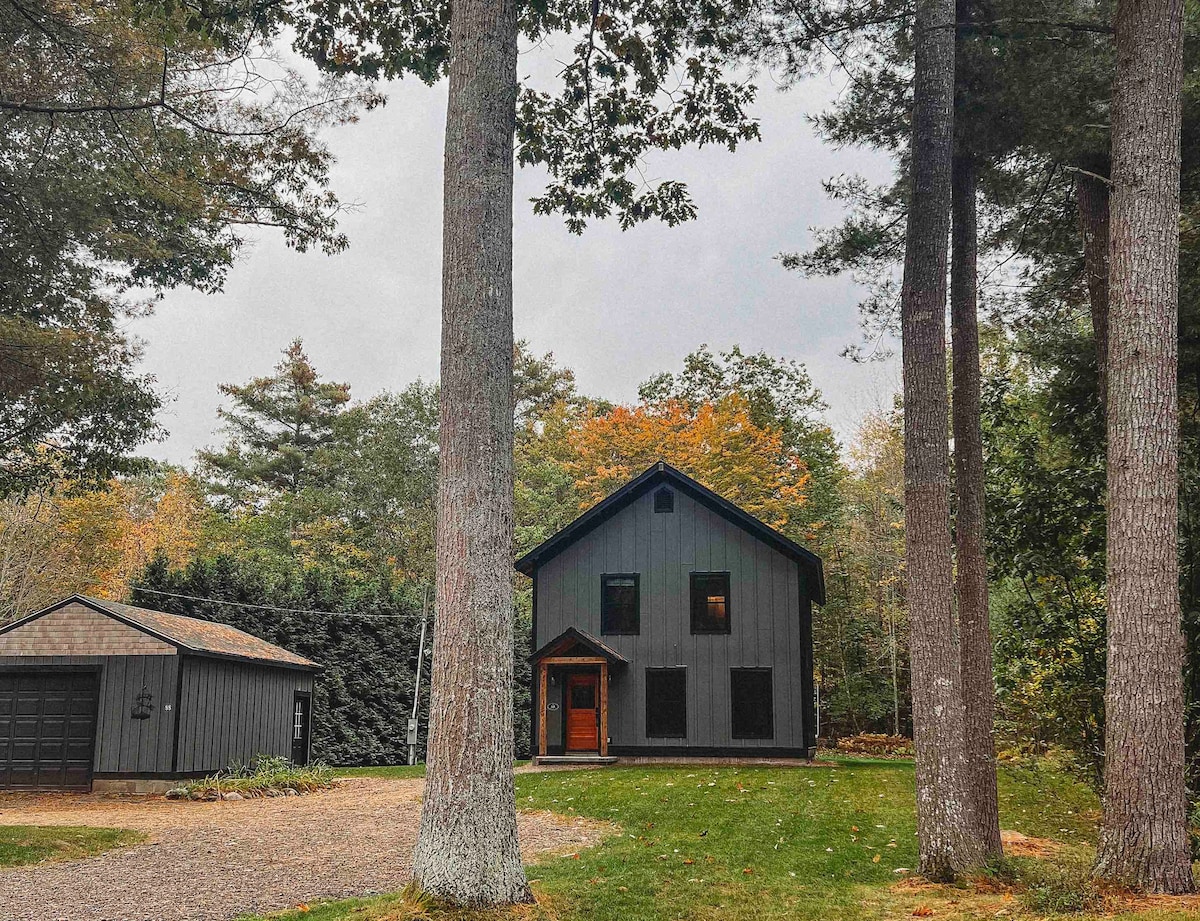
(47, 729)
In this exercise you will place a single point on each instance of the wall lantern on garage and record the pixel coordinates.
(143, 704)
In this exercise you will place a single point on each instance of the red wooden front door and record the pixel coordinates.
(583, 703)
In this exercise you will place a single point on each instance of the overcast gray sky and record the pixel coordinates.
(614, 306)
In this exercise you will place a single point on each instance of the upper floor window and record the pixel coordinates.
(710, 602)
(620, 610)
(664, 500)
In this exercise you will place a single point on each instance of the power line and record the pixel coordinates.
(264, 607)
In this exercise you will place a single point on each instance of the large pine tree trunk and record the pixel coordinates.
(943, 820)
(970, 524)
(1143, 841)
(467, 848)
(1092, 209)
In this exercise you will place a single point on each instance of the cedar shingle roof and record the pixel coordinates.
(199, 636)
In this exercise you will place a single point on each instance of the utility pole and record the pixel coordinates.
(412, 720)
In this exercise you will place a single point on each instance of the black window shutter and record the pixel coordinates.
(752, 704)
(666, 703)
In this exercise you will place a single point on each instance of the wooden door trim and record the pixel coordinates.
(590, 679)
(541, 692)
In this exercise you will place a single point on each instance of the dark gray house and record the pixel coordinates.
(95, 694)
(667, 621)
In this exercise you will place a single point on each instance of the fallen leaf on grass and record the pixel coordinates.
(922, 911)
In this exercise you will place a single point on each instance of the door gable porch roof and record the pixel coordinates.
(576, 642)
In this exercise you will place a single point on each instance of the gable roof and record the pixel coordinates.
(662, 472)
(188, 634)
(572, 636)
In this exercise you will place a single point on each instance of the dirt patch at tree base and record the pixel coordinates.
(1019, 845)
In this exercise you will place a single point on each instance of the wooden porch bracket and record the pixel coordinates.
(604, 708)
(542, 670)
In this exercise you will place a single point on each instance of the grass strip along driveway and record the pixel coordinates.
(27, 844)
(742, 843)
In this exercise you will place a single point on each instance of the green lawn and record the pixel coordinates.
(745, 843)
(390, 770)
(26, 844)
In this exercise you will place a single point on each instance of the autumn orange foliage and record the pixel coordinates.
(716, 443)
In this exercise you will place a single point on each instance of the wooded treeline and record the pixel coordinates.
(315, 526)
(316, 502)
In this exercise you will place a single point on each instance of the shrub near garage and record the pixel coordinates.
(263, 776)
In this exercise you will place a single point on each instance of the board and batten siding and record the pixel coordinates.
(124, 745)
(234, 710)
(770, 618)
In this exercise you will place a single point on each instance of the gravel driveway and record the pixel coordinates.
(214, 861)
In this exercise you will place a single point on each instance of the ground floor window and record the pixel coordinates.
(666, 703)
(751, 692)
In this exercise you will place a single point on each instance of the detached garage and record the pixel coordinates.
(100, 695)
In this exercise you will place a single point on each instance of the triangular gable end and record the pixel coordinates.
(662, 472)
(573, 643)
(74, 627)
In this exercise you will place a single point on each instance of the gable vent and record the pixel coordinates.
(664, 500)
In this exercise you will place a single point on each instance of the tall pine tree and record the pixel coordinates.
(277, 426)
(1144, 839)
(944, 820)
(467, 849)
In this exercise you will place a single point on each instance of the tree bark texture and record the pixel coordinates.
(467, 850)
(1092, 208)
(943, 821)
(1143, 840)
(970, 524)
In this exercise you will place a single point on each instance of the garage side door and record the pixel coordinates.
(47, 729)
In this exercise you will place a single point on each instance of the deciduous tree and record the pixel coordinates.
(717, 443)
(136, 144)
(68, 537)
(779, 395)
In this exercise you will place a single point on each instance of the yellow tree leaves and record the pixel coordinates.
(716, 443)
(152, 520)
(59, 541)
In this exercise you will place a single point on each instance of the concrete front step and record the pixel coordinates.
(575, 759)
